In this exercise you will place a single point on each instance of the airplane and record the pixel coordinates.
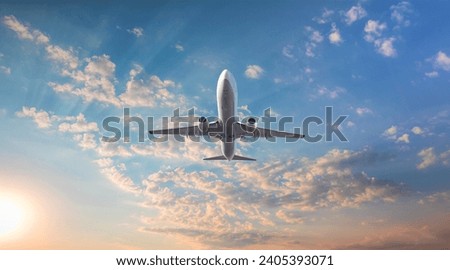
(230, 129)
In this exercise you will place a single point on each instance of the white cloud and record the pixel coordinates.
(432, 74)
(417, 130)
(445, 158)
(287, 51)
(355, 13)
(391, 133)
(404, 138)
(373, 30)
(120, 180)
(137, 31)
(5, 70)
(438, 197)
(100, 66)
(254, 71)
(207, 207)
(363, 110)
(41, 118)
(324, 17)
(150, 92)
(65, 57)
(386, 47)
(309, 49)
(95, 82)
(316, 37)
(110, 149)
(335, 35)
(428, 158)
(179, 47)
(80, 125)
(24, 32)
(85, 141)
(399, 13)
(324, 91)
(442, 61)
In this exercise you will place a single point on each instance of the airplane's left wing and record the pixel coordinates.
(185, 131)
(257, 132)
(214, 130)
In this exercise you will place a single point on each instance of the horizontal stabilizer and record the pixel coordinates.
(236, 157)
(216, 158)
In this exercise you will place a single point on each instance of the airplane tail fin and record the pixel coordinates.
(236, 157)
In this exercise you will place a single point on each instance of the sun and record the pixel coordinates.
(12, 216)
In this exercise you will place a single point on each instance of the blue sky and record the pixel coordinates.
(385, 65)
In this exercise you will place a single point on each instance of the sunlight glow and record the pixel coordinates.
(12, 216)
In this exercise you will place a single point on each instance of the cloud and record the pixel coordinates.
(137, 31)
(417, 130)
(404, 138)
(438, 197)
(80, 125)
(386, 47)
(93, 78)
(399, 13)
(442, 61)
(41, 118)
(150, 92)
(65, 57)
(373, 29)
(418, 235)
(428, 158)
(324, 17)
(118, 178)
(85, 141)
(363, 110)
(179, 47)
(287, 51)
(432, 74)
(374, 34)
(243, 200)
(173, 150)
(392, 131)
(5, 70)
(445, 158)
(335, 35)
(325, 92)
(254, 72)
(355, 13)
(24, 32)
(110, 149)
(94, 83)
(315, 37)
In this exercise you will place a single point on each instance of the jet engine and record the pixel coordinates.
(203, 124)
(251, 124)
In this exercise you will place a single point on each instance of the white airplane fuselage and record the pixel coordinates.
(226, 106)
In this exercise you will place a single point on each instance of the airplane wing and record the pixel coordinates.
(214, 130)
(257, 132)
(185, 131)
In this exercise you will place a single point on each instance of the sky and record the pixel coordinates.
(67, 66)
